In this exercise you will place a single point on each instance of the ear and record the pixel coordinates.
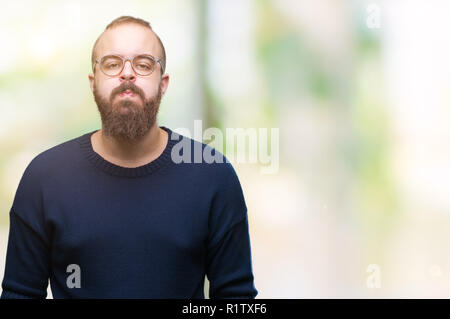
(164, 83)
(91, 81)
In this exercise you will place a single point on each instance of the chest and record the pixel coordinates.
(143, 221)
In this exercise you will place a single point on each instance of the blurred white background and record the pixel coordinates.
(362, 112)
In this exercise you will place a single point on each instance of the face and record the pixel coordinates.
(128, 103)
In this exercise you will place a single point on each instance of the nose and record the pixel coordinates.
(127, 73)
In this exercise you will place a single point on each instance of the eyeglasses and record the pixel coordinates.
(112, 65)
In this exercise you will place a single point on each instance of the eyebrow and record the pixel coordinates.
(121, 55)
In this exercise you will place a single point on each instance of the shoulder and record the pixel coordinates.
(47, 162)
(43, 168)
(202, 159)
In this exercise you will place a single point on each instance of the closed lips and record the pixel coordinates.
(127, 92)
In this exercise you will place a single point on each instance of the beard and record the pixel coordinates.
(127, 119)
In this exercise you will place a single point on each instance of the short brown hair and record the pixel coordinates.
(129, 19)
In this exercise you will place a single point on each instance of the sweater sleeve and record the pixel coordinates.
(27, 264)
(229, 263)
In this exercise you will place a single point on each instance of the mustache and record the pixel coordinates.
(127, 86)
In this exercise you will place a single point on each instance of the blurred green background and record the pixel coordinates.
(362, 114)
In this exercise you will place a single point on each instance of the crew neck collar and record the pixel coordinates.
(108, 167)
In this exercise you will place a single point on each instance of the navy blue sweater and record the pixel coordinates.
(99, 230)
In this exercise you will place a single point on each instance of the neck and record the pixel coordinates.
(133, 153)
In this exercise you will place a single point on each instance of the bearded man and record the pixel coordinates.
(110, 214)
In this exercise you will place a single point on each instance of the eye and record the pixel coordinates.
(144, 66)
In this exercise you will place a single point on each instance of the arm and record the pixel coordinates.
(229, 264)
(27, 264)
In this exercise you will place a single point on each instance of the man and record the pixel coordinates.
(111, 214)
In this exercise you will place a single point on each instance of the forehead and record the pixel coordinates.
(128, 40)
